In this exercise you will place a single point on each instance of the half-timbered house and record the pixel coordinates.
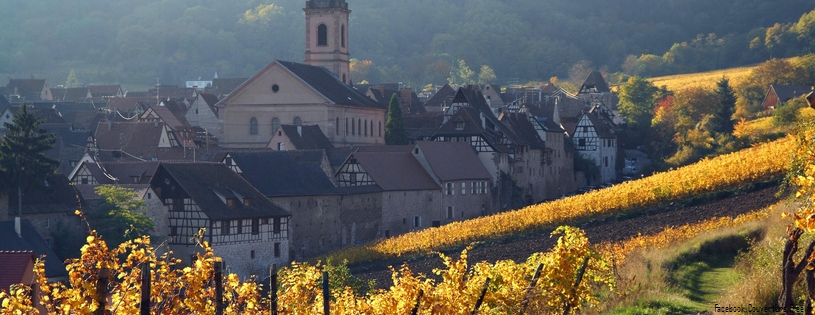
(596, 141)
(240, 223)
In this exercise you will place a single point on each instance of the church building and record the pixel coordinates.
(315, 93)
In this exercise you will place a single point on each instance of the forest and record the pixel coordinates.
(417, 42)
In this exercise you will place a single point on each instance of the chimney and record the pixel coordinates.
(300, 130)
(483, 121)
(17, 227)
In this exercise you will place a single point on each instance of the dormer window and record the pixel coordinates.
(459, 125)
(230, 202)
(247, 202)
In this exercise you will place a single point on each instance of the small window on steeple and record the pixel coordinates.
(342, 40)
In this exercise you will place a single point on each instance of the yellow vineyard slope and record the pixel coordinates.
(762, 162)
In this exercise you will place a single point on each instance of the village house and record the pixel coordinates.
(27, 90)
(779, 94)
(291, 137)
(595, 139)
(243, 226)
(411, 199)
(17, 267)
(323, 217)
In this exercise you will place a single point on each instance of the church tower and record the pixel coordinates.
(327, 36)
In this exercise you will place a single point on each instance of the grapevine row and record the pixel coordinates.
(759, 163)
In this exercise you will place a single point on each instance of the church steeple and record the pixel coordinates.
(327, 36)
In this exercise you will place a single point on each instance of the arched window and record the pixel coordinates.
(337, 125)
(322, 35)
(275, 124)
(366, 127)
(359, 126)
(253, 126)
(298, 121)
(380, 128)
(342, 36)
(346, 126)
(372, 128)
(343, 78)
(353, 127)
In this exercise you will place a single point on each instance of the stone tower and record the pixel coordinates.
(327, 36)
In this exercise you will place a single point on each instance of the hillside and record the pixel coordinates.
(705, 80)
(414, 42)
(610, 229)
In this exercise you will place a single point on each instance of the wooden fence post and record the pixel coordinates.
(326, 294)
(219, 289)
(481, 297)
(532, 284)
(273, 288)
(580, 273)
(102, 290)
(418, 301)
(144, 307)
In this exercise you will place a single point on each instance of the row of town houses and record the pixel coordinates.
(291, 163)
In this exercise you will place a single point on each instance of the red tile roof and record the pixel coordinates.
(13, 266)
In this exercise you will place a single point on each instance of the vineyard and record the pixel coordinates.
(562, 279)
(762, 162)
(134, 277)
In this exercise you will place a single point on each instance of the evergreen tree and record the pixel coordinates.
(395, 125)
(22, 153)
(726, 102)
(638, 97)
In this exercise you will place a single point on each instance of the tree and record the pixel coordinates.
(637, 102)
(726, 103)
(22, 153)
(121, 213)
(486, 74)
(395, 124)
(72, 79)
(460, 74)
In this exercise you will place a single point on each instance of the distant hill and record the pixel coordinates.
(414, 42)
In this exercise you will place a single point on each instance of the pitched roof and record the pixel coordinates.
(327, 84)
(30, 89)
(13, 265)
(787, 92)
(453, 160)
(422, 126)
(57, 197)
(76, 94)
(128, 104)
(442, 98)
(58, 93)
(31, 241)
(395, 170)
(408, 100)
(312, 137)
(172, 92)
(204, 182)
(594, 83)
(224, 86)
(109, 90)
(285, 173)
(48, 115)
(523, 128)
(175, 122)
(210, 100)
(135, 138)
